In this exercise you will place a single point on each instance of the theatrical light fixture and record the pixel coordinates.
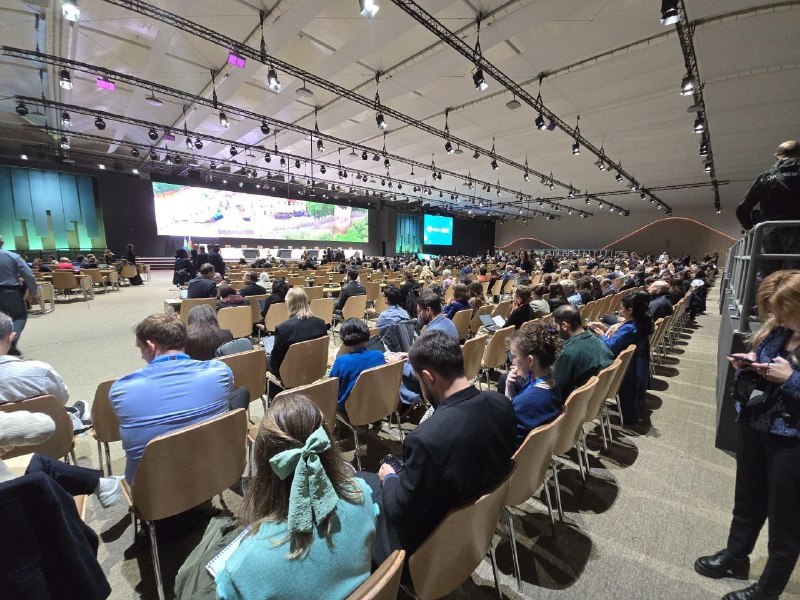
(699, 124)
(212, 165)
(707, 166)
(272, 80)
(152, 100)
(135, 152)
(223, 120)
(476, 155)
(99, 123)
(70, 10)
(21, 109)
(386, 163)
(235, 60)
(152, 134)
(101, 166)
(283, 161)
(478, 79)
(643, 196)
(65, 80)
(303, 91)
(687, 86)
(320, 145)
(23, 156)
(368, 8)
(634, 186)
(670, 13)
(540, 124)
(264, 127)
(168, 160)
(703, 148)
(576, 148)
(322, 169)
(381, 122)
(364, 155)
(153, 155)
(494, 164)
(198, 143)
(618, 177)
(448, 147)
(526, 176)
(188, 143)
(513, 104)
(297, 163)
(233, 150)
(135, 171)
(66, 121)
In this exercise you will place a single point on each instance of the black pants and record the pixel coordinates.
(13, 304)
(386, 538)
(75, 480)
(767, 487)
(239, 398)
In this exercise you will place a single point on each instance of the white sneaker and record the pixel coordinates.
(109, 490)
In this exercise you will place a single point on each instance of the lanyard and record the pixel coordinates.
(534, 382)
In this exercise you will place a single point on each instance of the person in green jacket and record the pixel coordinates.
(582, 355)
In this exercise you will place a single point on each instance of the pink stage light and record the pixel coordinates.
(168, 137)
(105, 84)
(235, 60)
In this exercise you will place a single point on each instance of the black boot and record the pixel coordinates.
(754, 592)
(722, 564)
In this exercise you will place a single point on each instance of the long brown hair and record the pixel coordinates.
(778, 294)
(286, 425)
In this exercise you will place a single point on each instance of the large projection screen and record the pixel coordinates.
(437, 231)
(205, 213)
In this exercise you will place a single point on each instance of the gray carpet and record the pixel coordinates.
(657, 498)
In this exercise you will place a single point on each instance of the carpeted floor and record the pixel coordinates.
(657, 498)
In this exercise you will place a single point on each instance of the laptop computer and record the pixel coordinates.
(492, 323)
(183, 294)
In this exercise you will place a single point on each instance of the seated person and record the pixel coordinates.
(660, 306)
(251, 287)
(536, 402)
(311, 523)
(23, 428)
(227, 296)
(64, 264)
(462, 451)
(89, 262)
(582, 354)
(301, 326)
(459, 302)
(557, 296)
(279, 290)
(521, 309)
(171, 392)
(38, 266)
(394, 312)
(347, 367)
(476, 297)
(539, 305)
(203, 333)
(410, 284)
(203, 285)
(571, 293)
(353, 288)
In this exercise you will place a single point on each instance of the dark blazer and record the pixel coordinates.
(462, 451)
(660, 307)
(290, 332)
(353, 288)
(202, 287)
(216, 260)
(200, 260)
(405, 290)
(252, 289)
(46, 550)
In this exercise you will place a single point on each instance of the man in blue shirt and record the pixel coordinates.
(394, 313)
(171, 392)
(12, 267)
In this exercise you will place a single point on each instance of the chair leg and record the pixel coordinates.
(108, 459)
(554, 467)
(514, 556)
(358, 449)
(100, 458)
(494, 572)
(151, 528)
(549, 504)
(72, 456)
(399, 428)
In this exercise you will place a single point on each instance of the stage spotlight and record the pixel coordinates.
(478, 80)
(21, 109)
(65, 80)
(670, 13)
(99, 123)
(152, 134)
(368, 8)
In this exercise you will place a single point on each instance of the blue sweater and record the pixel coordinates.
(260, 569)
(536, 404)
(451, 309)
(626, 335)
(348, 367)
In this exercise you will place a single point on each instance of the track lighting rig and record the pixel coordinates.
(428, 21)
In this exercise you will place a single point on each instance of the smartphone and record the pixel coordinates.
(742, 359)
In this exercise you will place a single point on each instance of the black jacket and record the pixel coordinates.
(185, 265)
(290, 332)
(519, 315)
(46, 550)
(660, 306)
(462, 451)
(202, 287)
(353, 288)
(405, 290)
(252, 289)
(216, 260)
(776, 192)
(200, 259)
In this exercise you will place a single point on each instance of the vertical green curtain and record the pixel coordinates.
(409, 233)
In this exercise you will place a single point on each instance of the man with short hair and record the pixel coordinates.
(462, 451)
(353, 288)
(608, 287)
(171, 392)
(251, 287)
(394, 312)
(215, 259)
(203, 285)
(582, 355)
(200, 258)
(660, 306)
(12, 301)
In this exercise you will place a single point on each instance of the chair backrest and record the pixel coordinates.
(249, 371)
(574, 412)
(495, 291)
(314, 292)
(380, 304)
(188, 304)
(45, 291)
(323, 393)
(532, 460)
(475, 322)
(255, 307)
(64, 280)
(57, 445)
(473, 353)
(305, 362)
(95, 274)
(384, 583)
(128, 271)
(355, 307)
(457, 546)
(105, 424)
(448, 294)
(276, 314)
(503, 309)
(604, 380)
(184, 468)
(495, 353)
(113, 276)
(323, 308)
(656, 334)
(485, 286)
(373, 290)
(296, 281)
(239, 319)
(461, 320)
(375, 393)
(625, 359)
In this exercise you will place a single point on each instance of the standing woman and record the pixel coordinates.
(524, 262)
(767, 392)
(130, 255)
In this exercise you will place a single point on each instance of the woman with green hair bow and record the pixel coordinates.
(311, 522)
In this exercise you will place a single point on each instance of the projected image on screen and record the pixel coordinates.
(201, 212)
(437, 231)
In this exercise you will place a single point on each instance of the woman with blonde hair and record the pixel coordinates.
(310, 523)
(301, 326)
(767, 394)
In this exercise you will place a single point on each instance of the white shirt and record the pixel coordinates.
(22, 428)
(23, 379)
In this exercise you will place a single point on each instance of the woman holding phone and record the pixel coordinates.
(767, 392)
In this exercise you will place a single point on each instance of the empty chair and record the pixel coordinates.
(105, 424)
(475, 322)
(612, 395)
(46, 294)
(473, 353)
(183, 469)
(239, 319)
(58, 445)
(384, 583)
(65, 282)
(305, 362)
(323, 308)
(323, 393)
(255, 307)
(496, 353)
(461, 320)
(314, 292)
(249, 371)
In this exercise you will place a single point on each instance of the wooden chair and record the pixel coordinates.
(323, 393)
(296, 281)
(475, 322)
(239, 319)
(503, 309)
(323, 308)
(532, 460)
(457, 546)
(612, 395)
(66, 282)
(105, 424)
(461, 320)
(61, 443)
(373, 289)
(314, 292)
(448, 295)
(184, 468)
(188, 304)
(569, 432)
(305, 362)
(354, 307)
(46, 294)
(377, 308)
(473, 353)
(113, 279)
(255, 307)
(276, 314)
(495, 355)
(495, 290)
(384, 583)
(249, 371)
(127, 272)
(595, 407)
(373, 398)
(99, 281)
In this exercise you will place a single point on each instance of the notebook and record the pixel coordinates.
(216, 564)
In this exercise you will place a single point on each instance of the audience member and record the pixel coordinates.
(200, 258)
(447, 280)
(229, 296)
(409, 285)
(203, 333)
(279, 290)
(130, 255)
(660, 306)
(108, 257)
(476, 297)
(347, 367)
(65, 264)
(676, 291)
(215, 259)
(540, 306)
(521, 311)
(184, 270)
(251, 287)
(582, 354)
(353, 288)
(301, 326)
(12, 303)
(394, 312)
(203, 285)
(557, 297)
(459, 302)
